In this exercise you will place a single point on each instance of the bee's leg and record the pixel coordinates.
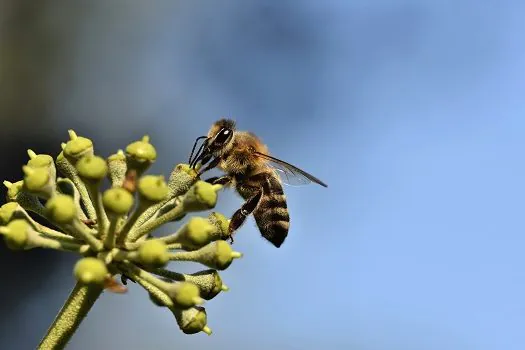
(221, 180)
(124, 279)
(240, 215)
(210, 166)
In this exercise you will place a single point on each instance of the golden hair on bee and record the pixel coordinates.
(254, 174)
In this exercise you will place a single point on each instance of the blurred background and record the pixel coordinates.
(411, 111)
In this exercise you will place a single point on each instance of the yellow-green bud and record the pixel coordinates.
(16, 234)
(36, 179)
(209, 283)
(13, 189)
(196, 233)
(77, 147)
(217, 255)
(201, 196)
(184, 295)
(117, 201)
(192, 320)
(222, 225)
(7, 211)
(140, 154)
(117, 157)
(39, 160)
(92, 168)
(153, 188)
(117, 168)
(153, 252)
(181, 179)
(90, 271)
(61, 209)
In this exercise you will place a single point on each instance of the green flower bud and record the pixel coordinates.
(184, 295)
(77, 147)
(117, 201)
(61, 209)
(192, 320)
(117, 168)
(153, 252)
(209, 283)
(140, 155)
(39, 160)
(90, 271)
(7, 211)
(13, 189)
(16, 234)
(201, 196)
(42, 161)
(153, 188)
(196, 233)
(222, 225)
(216, 255)
(92, 168)
(37, 180)
(181, 179)
(28, 201)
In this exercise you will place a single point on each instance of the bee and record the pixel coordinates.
(256, 176)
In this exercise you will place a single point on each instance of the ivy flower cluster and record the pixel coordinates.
(112, 229)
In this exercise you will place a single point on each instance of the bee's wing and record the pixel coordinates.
(290, 174)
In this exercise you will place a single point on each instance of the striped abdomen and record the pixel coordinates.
(271, 215)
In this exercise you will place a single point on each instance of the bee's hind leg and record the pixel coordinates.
(241, 214)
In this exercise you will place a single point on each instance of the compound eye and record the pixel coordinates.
(223, 136)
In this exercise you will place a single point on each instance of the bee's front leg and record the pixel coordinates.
(241, 214)
(220, 180)
(210, 166)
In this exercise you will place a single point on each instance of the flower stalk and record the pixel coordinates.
(111, 229)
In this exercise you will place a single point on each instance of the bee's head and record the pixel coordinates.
(216, 143)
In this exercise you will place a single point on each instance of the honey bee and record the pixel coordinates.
(256, 176)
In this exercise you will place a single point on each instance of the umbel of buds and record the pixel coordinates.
(105, 210)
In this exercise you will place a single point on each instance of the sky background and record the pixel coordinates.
(411, 111)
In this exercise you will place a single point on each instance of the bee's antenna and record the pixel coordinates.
(195, 145)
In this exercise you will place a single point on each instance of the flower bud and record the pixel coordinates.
(92, 168)
(77, 147)
(222, 225)
(152, 188)
(153, 252)
(181, 179)
(90, 271)
(192, 320)
(195, 234)
(7, 211)
(61, 209)
(42, 161)
(117, 168)
(16, 234)
(117, 201)
(216, 255)
(209, 283)
(140, 155)
(201, 196)
(38, 181)
(13, 189)
(184, 295)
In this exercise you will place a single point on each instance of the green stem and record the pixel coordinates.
(109, 240)
(70, 316)
(158, 221)
(100, 212)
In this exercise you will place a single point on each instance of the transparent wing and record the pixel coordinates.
(290, 174)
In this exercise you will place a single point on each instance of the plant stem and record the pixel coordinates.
(70, 316)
